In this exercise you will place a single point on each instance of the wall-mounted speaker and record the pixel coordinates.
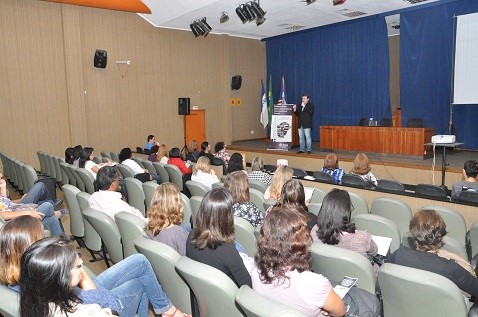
(236, 82)
(183, 106)
(100, 60)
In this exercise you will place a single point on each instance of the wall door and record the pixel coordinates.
(195, 126)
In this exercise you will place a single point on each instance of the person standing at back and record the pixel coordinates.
(304, 112)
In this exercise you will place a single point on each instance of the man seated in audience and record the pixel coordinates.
(107, 199)
(470, 171)
(206, 151)
(151, 141)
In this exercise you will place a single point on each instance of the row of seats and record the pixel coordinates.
(22, 176)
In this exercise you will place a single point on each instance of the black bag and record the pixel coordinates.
(50, 184)
(143, 177)
(360, 303)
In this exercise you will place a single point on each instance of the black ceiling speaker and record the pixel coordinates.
(100, 60)
(184, 106)
(236, 82)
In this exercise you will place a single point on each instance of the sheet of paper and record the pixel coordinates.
(344, 286)
(383, 244)
(308, 192)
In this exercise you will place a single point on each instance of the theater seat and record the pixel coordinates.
(415, 123)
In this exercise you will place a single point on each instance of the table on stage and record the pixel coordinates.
(391, 140)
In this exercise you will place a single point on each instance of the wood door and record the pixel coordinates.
(195, 126)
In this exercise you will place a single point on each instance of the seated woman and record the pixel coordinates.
(193, 149)
(334, 226)
(362, 168)
(428, 229)
(331, 167)
(76, 154)
(162, 154)
(220, 152)
(165, 216)
(258, 173)
(281, 271)
(175, 158)
(86, 161)
(236, 163)
(203, 173)
(153, 153)
(212, 239)
(282, 174)
(141, 173)
(53, 282)
(238, 185)
(470, 172)
(69, 155)
(293, 196)
(206, 151)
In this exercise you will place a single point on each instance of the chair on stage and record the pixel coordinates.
(415, 123)
(386, 122)
(363, 122)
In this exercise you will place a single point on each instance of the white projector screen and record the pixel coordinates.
(465, 84)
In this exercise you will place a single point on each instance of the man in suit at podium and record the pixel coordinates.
(304, 112)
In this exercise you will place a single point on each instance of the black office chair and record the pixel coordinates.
(299, 172)
(386, 122)
(430, 191)
(270, 168)
(323, 177)
(415, 123)
(363, 122)
(353, 181)
(390, 186)
(139, 150)
(190, 157)
(468, 196)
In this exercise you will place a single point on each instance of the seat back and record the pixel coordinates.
(258, 305)
(474, 238)
(41, 159)
(379, 226)
(257, 198)
(56, 163)
(314, 208)
(214, 291)
(106, 155)
(196, 188)
(149, 166)
(148, 189)
(130, 227)
(108, 231)
(79, 181)
(114, 157)
(87, 179)
(91, 238)
(195, 203)
(455, 223)
(258, 185)
(415, 123)
(359, 202)
(77, 228)
(299, 172)
(187, 210)
(97, 160)
(353, 181)
(448, 244)
(244, 233)
(430, 191)
(67, 172)
(468, 196)
(52, 165)
(269, 203)
(317, 196)
(175, 175)
(30, 175)
(138, 160)
(413, 293)
(390, 186)
(394, 209)
(323, 177)
(270, 168)
(125, 170)
(217, 185)
(335, 263)
(9, 302)
(163, 259)
(136, 196)
(161, 171)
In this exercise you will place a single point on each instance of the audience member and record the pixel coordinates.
(54, 283)
(331, 167)
(165, 216)
(334, 227)
(220, 152)
(76, 154)
(150, 142)
(153, 153)
(428, 229)
(193, 149)
(282, 174)
(203, 173)
(175, 158)
(236, 163)
(258, 173)
(163, 154)
(140, 173)
(107, 199)
(206, 151)
(362, 168)
(470, 172)
(281, 268)
(238, 185)
(69, 155)
(86, 161)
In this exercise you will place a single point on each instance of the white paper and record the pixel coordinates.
(344, 286)
(308, 191)
(383, 244)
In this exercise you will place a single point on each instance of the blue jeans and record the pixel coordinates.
(50, 222)
(305, 133)
(133, 283)
(38, 194)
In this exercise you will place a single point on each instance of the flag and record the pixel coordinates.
(283, 95)
(271, 99)
(264, 112)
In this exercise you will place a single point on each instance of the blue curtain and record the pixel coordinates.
(344, 69)
(426, 50)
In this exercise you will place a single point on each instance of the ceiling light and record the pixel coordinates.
(257, 10)
(250, 15)
(205, 26)
(224, 17)
(241, 15)
(194, 29)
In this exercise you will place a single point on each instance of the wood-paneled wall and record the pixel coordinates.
(51, 96)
